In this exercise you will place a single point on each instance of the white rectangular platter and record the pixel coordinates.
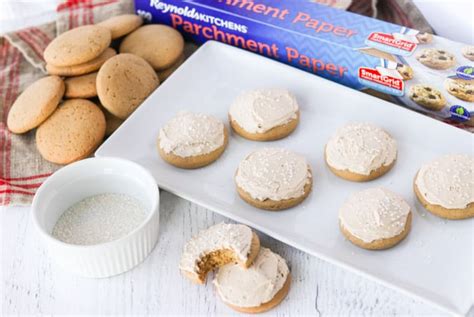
(435, 261)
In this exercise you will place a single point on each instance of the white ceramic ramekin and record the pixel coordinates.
(89, 177)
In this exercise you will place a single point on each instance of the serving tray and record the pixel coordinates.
(435, 261)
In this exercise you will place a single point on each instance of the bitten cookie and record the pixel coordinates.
(435, 58)
(216, 246)
(424, 38)
(405, 71)
(77, 46)
(264, 114)
(160, 45)
(72, 132)
(81, 86)
(445, 186)
(121, 25)
(81, 69)
(192, 140)
(360, 152)
(460, 88)
(427, 97)
(273, 179)
(123, 82)
(257, 289)
(35, 104)
(375, 219)
(468, 52)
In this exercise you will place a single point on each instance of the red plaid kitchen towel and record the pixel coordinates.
(22, 170)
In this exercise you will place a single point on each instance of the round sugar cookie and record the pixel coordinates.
(77, 46)
(160, 45)
(81, 69)
(264, 114)
(192, 140)
(72, 132)
(375, 219)
(216, 246)
(123, 82)
(121, 25)
(256, 289)
(35, 104)
(445, 186)
(81, 86)
(360, 152)
(273, 179)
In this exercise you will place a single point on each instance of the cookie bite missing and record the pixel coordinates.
(192, 140)
(445, 186)
(273, 179)
(216, 246)
(375, 219)
(360, 152)
(257, 289)
(264, 114)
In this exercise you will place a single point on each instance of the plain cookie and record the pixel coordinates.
(77, 46)
(121, 25)
(160, 45)
(427, 97)
(81, 86)
(164, 74)
(81, 69)
(72, 132)
(36, 103)
(123, 82)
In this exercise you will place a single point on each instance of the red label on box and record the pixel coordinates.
(390, 40)
(374, 76)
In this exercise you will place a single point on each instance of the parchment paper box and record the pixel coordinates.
(356, 51)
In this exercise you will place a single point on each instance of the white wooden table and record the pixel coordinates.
(31, 284)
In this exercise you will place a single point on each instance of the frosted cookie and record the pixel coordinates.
(360, 152)
(81, 69)
(77, 46)
(160, 45)
(35, 104)
(257, 289)
(164, 74)
(123, 82)
(72, 132)
(437, 59)
(264, 114)
(427, 97)
(468, 52)
(424, 38)
(273, 179)
(216, 246)
(445, 186)
(192, 140)
(81, 86)
(375, 219)
(460, 88)
(121, 25)
(405, 71)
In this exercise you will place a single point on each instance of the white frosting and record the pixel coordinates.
(273, 173)
(253, 286)
(191, 134)
(260, 110)
(373, 214)
(235, 237)
(360, 148)
(448, 181)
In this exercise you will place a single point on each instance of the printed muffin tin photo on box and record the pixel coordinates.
(378, 57)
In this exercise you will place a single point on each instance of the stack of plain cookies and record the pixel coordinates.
(91, 89)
